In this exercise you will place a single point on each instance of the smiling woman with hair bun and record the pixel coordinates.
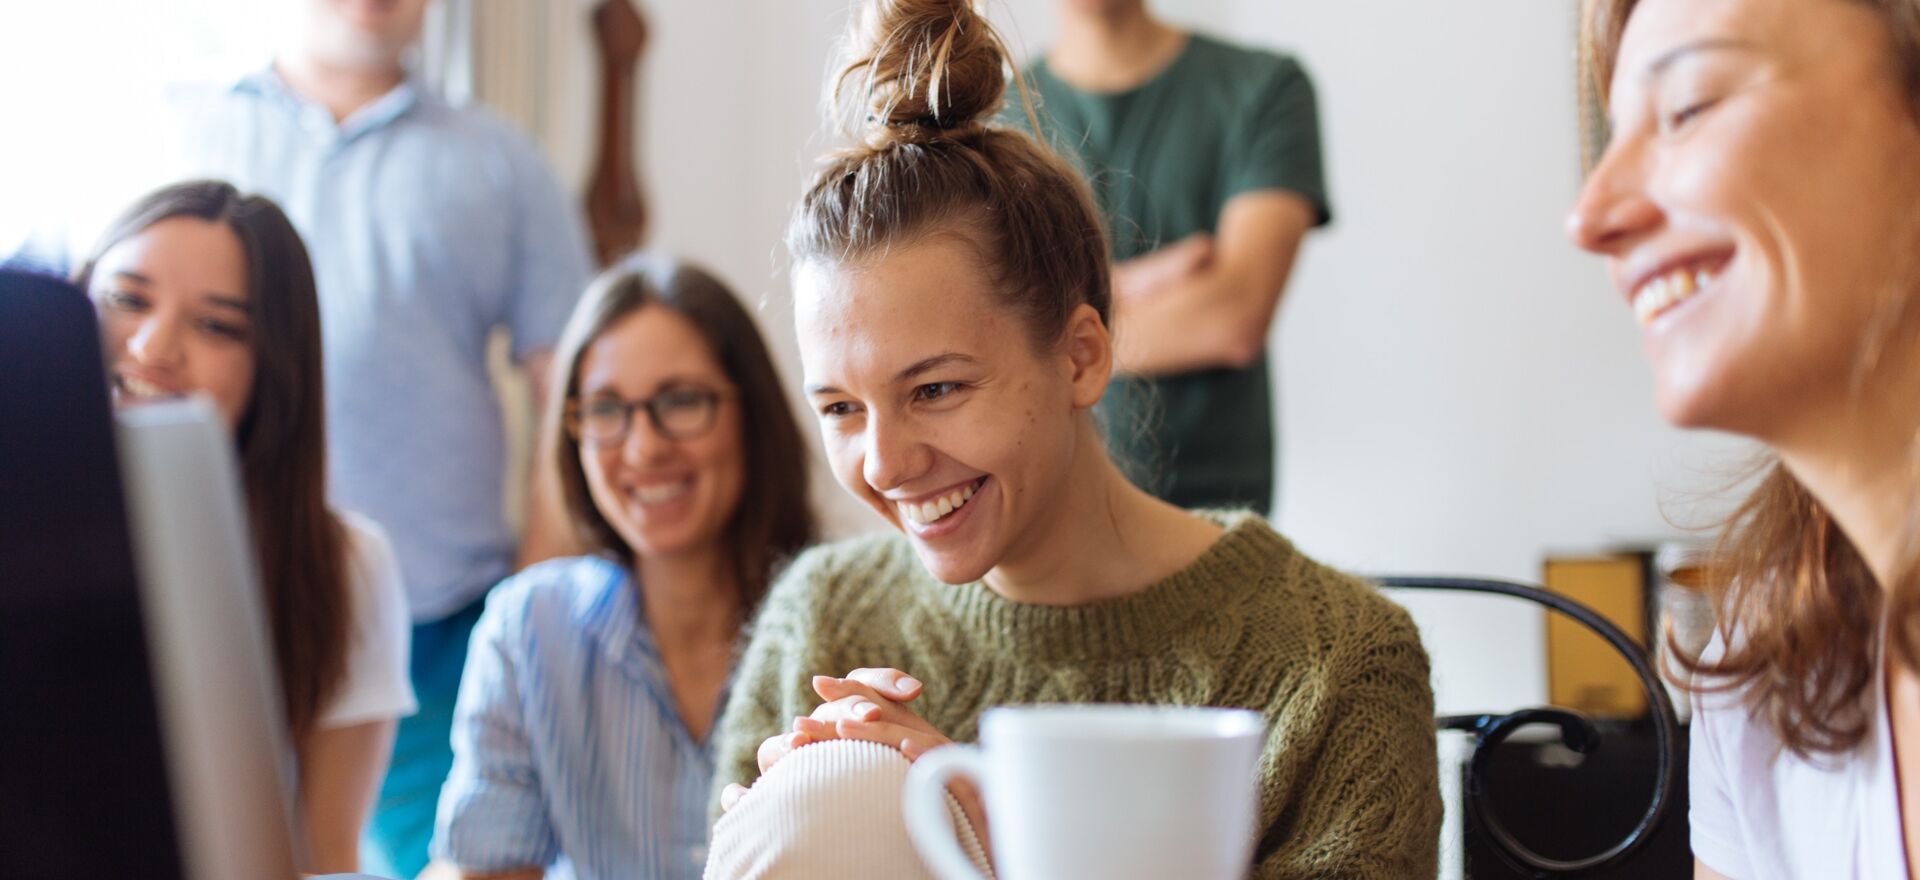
(951, 295)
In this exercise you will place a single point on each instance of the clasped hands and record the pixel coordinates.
(870, 705)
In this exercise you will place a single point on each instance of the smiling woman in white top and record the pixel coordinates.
(581, 738)
(1759, 207)
(202, 290)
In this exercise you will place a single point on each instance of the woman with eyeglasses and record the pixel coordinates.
(581, 736)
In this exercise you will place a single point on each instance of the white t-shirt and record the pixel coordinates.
(377, 685)
(1760, 812)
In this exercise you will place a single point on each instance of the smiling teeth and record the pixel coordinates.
(1665, 292)
(139, 388)
(660, 492)
(931, 512)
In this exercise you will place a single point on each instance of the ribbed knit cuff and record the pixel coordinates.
(830, 809)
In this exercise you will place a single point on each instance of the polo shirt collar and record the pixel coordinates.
(379, 112)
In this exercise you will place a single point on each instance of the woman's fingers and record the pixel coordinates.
(890, 683)
(879, 684)
(731, 795)
(910, 734)
(866, 705)
(855, 707)
(830, 689)
(910, 741)
(915, 746)
(815, 729)
(777, 747)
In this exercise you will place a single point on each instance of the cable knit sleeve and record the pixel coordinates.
(1366, 803)
(771, 686)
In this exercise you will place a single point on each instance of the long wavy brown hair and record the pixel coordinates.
(298, 543)
(1798, 608)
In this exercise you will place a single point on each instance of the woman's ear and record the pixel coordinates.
(1089, 351)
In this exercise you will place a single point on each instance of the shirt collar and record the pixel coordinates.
(268, 82)
(612, 618)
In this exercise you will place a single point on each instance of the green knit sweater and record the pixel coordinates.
(1348, 782)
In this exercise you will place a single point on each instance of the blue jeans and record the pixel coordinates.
(394, 843)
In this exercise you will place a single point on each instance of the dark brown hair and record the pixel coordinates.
(1798, 607)
(773, 520)
(298, 543)
(924, 78)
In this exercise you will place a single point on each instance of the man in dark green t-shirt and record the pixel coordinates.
(1205, 158)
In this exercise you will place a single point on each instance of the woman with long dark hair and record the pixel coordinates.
(202, 290)
(583, 735)
(1758, 203)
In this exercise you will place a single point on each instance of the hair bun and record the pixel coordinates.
(922, 69)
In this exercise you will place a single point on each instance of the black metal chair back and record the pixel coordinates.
(1577, 732)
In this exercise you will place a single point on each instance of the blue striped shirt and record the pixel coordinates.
(569, 752)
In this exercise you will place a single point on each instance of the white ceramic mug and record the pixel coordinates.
(1115, 792)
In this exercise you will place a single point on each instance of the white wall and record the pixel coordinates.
(1460, 391)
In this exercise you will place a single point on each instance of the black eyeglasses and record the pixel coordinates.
(677, 413)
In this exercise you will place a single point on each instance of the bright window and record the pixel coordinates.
(80, 85)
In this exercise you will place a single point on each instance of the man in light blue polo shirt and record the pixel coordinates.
(430, 226)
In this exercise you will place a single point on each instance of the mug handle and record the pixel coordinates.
(925, 809)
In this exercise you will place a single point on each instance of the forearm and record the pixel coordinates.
(1383, 826)
(449, 871)
(1197, 323)
(1369, 804)
(1216, 313)
(340, 775)
(834, 809)
(493, 816)
(1350, 865)
(522, 874)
